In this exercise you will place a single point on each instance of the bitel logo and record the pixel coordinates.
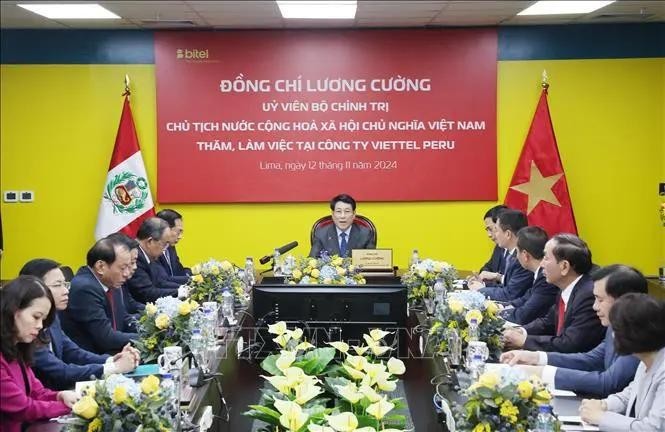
(192, 54)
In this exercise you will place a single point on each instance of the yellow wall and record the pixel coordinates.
(58, 125)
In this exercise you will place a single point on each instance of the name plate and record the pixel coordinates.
(373, 259)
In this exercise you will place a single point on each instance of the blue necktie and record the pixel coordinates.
(343, 244)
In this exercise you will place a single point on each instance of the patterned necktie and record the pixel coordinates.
(343, 244)
(560, 317)
(109, 297)
(168, 261)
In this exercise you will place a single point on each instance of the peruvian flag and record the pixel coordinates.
(539, 186)
(126, 200)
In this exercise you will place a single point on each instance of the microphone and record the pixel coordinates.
(284, 249)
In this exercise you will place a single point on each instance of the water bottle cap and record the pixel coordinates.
(249, 259)
(196, 331)
(474, 321)
(545, 408)
(167, 376)
(206, 309)
(477, 357)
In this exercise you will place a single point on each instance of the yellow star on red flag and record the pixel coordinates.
(538, 188)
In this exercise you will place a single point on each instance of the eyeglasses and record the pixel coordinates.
(61, 285)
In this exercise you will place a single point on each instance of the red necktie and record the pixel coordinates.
(561, 314)
(109, 297)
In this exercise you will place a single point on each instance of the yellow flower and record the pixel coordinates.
(315, 273)
(337, 261)
(297, 274)
(491, 307)
(482, 427)
(197, 278)
(193, 304)
(95, 425)
(455, 306)
(196, 269)
(185, 308)
(215, 271)
(542, 396)
(162, 321)
(327, 281)
(150, 309)
(474, 313)
(509, 411)
(86, 407)
(150, 384)
(341, 271)
(525, 389)
(226, 265)
(312, 263)
(90, 390)
(119, 395)
(489, 380)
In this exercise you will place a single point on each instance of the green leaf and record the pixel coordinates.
(258, 413)
(321, 356)
(268, 365)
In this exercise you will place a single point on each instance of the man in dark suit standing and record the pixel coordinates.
(601, 371)
(169, 259)
(571, 325)
(343, 235)
(540, 297)
(516, 280)
(145, 285)
(93, 319)
(497, 261)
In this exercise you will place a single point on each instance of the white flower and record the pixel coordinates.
(377, 334)
(317, 428)
(277, 328)
(304, 346)
(306, 391)
(396, 366)
(350, 392)
(359, 350)
(380, 408)
(292, 418)
(296, 334)
(356, 362)
(340, 346)
(344, 422)
(285, 360)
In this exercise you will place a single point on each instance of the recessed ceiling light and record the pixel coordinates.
(547, 7)
(70, 11)
(318, 9)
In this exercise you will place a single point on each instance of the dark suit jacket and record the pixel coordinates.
(535, 303)
(599, 372)
(88, 320)
(146, 285)
(581, 327)
(326, 238)
(497, 261)
(516, 281)
(173, 267)
(64, 365)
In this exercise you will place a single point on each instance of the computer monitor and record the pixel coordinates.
(332, 312)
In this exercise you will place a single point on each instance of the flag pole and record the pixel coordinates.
(127, 92)
(544, 83)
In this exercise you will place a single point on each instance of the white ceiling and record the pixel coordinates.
(265, 15)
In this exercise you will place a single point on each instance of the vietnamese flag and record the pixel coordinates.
(126, 199)
(539, 186)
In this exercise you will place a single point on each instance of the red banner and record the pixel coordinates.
(385, 115)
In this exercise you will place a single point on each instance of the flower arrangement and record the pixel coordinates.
(457, 312)
(163, 323)
(120, 403)
(211, 278)
(503, 402)
(327, 270)
(421, 277)
(312, 393)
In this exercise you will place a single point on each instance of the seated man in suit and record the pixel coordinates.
(146, 285)
(517, 279)
(93, 319)
(60, 363)
(571, 325)
(599, 372)
(540, 297)
(639, 329)
(343, 235)
(169, 259)
(497, 261)
(133, 308)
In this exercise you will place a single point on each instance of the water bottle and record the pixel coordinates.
(473, 330)
(439, 291)
(227, 308)
(170, 390)
(476, 367)
(250, 275)
(414, 258)
(545, 422)
(208, 328)
(277, 268)
(197, 347)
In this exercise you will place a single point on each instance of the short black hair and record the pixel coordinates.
(348, 199)
(638, 324)
(153, 227)
(38, 267)
(104, 250)
(170, 216)
(532, 239)
(621, 279)
(513, 220)
(17, 295)
(494, 211)
(124, 238)
(573, 249)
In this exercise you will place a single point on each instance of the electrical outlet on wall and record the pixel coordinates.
(26, 196)
(11, 196)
